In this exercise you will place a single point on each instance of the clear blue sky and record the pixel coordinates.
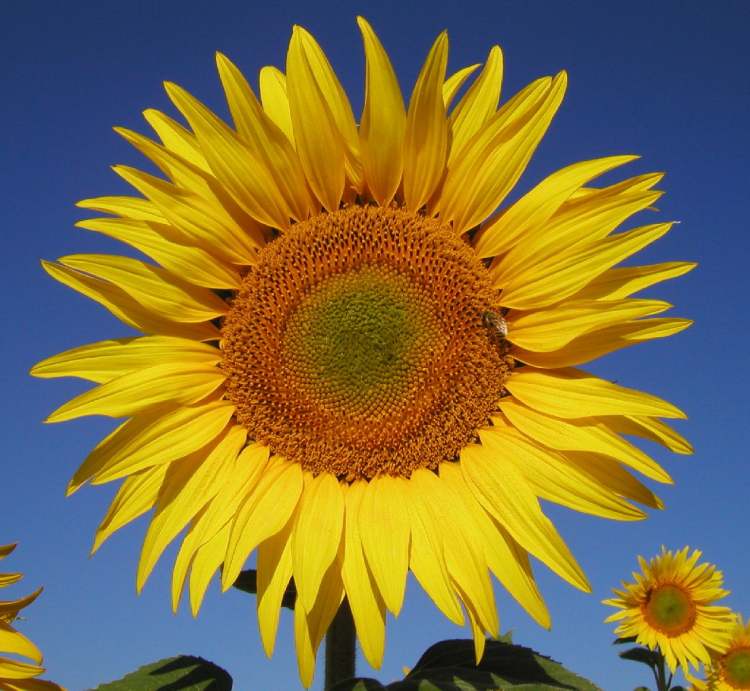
(668, 80)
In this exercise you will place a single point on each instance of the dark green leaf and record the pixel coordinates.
(449, 666)
(678, 688)
(183, 673)
(626, 639)
(247, 581)
(643, 655)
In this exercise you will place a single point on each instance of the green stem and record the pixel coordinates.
(340, 647)
(662, 684)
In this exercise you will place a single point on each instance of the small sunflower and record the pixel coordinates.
(669, 607)
(730, 671)
(15, 674)
(350, 360)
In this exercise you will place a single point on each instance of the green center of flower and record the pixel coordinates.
(358, 344)
(670, 610)
(360, 338)
(736, 668)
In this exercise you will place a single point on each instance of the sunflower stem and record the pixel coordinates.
(340, 647)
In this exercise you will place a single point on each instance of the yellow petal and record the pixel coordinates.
(453, 84)
(383, 121)
(426, 136)
(144, 442)
(649, 428)
(7, 579)
(274, 573)
(317, 534)
(551, 329)
(133, 208)
(266, 141)
(594, 344)
(320, 143)
(179, 170)
(337, 101)
(274, 98)
(536, 207)
(427, 557)
(478, 104)
(579, 222)
(368, 609)
(570, 393)
(624, 281)
(152, 286)
(494, 157)
(163, 245)
(310, 627)
(505, 558)
(137, 494)
(608, 472)
(264, 513)
(125, 308)
(581, 435)
(463, 549)
(505, 495)
(384, 529)
(15, 643)
(14, 669)
(106, 360)
(220, 510)
(477, 631)
(176, 138)
(190, 483)
(571, 270)
(206, 562)
(554, 480)
(234, 236)
(247, 179)
(9, 609)
(143, 389)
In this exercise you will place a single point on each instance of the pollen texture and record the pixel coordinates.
(357, 344)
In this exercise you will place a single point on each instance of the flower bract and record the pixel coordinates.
(353, 357)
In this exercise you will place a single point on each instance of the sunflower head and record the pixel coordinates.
(19, 672)
(670, 606)
(730, 670)
(354, 356)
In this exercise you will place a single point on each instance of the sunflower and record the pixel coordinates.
(351, 362)
(15, 674)
(669, 607)
(730, 670)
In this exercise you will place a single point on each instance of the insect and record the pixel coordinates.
(496, 322)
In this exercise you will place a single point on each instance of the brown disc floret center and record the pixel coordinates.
(357, 344)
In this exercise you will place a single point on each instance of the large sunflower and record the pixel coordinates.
(17, 673)
(670, 607)
(351, 361)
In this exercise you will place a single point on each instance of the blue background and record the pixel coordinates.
(667, 80)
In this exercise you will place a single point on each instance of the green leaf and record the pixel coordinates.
(626, 639)
(247, 581)
(182, 673)
(643, 655)
(449, 666)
